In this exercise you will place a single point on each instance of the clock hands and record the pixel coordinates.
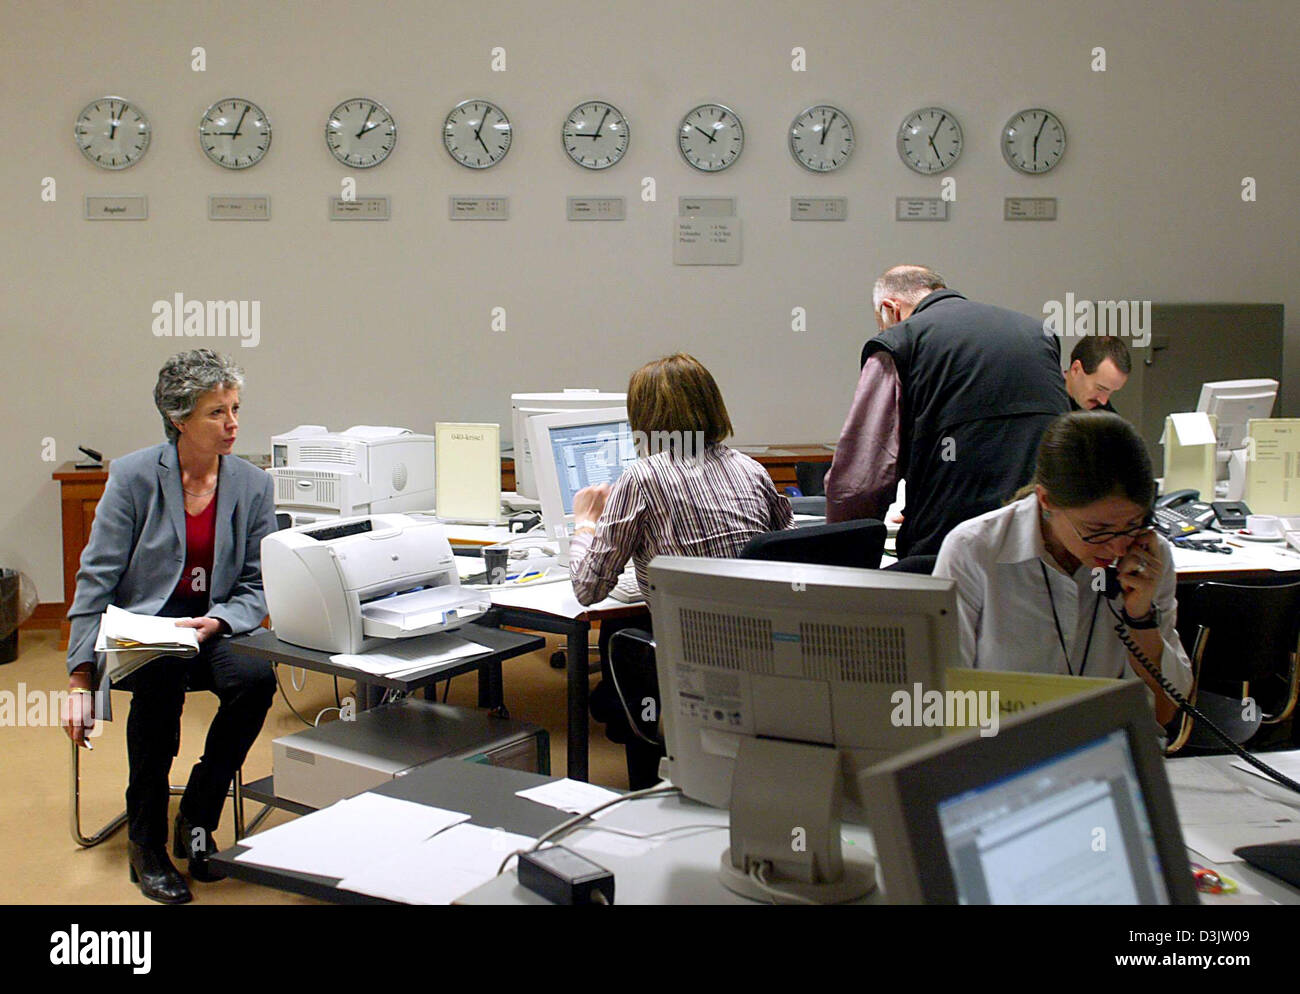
(240, 125)
(601, 124)
(1039, 132)
(827, 124)
(366, 125)
(478, 134)
(707, 134)
(113, 133)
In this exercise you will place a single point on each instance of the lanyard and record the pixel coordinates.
(1087, 648)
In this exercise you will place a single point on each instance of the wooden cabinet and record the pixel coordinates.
(79, 493)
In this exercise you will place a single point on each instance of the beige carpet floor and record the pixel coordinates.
(40, 863)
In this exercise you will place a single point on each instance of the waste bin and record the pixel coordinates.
(9, 606)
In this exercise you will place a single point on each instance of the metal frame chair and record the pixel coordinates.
(111, 827)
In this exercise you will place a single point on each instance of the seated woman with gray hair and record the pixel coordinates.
(178, 534)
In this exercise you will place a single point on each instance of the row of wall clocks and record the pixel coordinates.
(361, 133)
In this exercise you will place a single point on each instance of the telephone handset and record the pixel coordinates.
(1182, 513)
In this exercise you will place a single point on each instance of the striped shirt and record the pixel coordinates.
(710, 505)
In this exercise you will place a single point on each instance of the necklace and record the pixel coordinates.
(191, 493)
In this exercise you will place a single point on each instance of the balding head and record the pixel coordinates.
(899, 290)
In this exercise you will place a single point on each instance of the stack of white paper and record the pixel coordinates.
(440, 869)
(404, 656)
(347, 837)
(130, 640)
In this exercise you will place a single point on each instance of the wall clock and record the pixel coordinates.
(711, 137)
(112, 133)
(234, 133)
(1033, 140)
(361, 133)
(477, 134)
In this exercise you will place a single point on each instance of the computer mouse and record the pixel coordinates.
(1282, 859)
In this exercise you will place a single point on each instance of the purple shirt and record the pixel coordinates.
(863, 479)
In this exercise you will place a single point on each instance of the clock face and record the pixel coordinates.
(929, 140)
(477, 134)
(711, 137)
(360, 132)
(821, 138)
(595, 134)
(1033, 141)
(234, 133)
(112, 133)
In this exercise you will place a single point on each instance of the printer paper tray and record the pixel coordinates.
(422, 611)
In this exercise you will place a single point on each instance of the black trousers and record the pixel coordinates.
(153, 734)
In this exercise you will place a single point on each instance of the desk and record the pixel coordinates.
(485, 793)
(552, 608)
(682, 869)
(264, 644)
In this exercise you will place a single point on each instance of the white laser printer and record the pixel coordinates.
(346, 585)
(367, 469)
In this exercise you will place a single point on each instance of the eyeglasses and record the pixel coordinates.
(1103, 537)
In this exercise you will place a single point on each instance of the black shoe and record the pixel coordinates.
(196, 844)
(158, 878)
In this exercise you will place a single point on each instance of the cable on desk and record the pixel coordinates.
(576, 820)
(294, 680)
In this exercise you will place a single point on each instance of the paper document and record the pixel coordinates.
(130, 640)
(570, 795)
(408, 655)
(1204, 796)
(1217, 842)
(1286, 763)
(347, 837)
(440, 869)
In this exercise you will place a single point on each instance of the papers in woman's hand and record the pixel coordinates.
(130, 640)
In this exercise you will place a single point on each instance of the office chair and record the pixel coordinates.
(236, 791)
(915, 564)
(848, 543)
(282, 521)
(1255, 654)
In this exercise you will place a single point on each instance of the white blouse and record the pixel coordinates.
(1005, 612)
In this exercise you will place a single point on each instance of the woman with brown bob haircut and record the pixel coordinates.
(687, 495)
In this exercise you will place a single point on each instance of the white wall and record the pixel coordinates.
(389, 322)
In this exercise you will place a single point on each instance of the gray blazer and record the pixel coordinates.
(137, 549)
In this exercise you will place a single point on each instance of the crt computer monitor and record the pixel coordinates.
(1067, 804)
(525, 405)
(572, 450)
(1233, 403)
(777, 686)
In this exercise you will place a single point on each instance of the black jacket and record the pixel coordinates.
(980, 386)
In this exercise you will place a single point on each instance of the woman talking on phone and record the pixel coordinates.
(1032, 576)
